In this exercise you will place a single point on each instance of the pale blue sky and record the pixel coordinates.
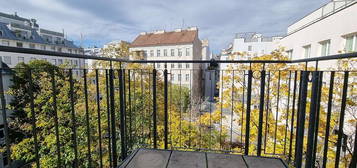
(101, 21)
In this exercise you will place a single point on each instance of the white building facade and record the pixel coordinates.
(176, 45)
(329, 30)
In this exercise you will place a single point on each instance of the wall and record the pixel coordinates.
(333, 27)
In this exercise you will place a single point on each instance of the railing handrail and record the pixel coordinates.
(83, 56)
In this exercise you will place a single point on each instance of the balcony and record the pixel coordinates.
(271, 113)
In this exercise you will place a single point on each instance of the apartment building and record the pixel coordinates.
(330, 29)
(181, 44)
(16, 31)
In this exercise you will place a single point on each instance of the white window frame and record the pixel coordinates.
(307, 51)
(327, 48)
(354, 43)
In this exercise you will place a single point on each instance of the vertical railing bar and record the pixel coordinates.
(107, 90)
(89, 155)
(292, 116)
(317, 121)
(312, 118)
(190, 118)
(33, 118)
(142, 108)
(130, 110)
(328, 119)
(243, 109)
(277, 112)
(165, 110)
(170, 108)
(353, 163)
(4, 115)
(122, 114)
(54, 96)
(341, 121)
(112, 117)
(73, 117)
(134, 108)
(99, 120)
(287, 113)
(154, 108)
(221, 117)
(267, 114)
(301, 119)
(179, 77)
(249, 94)
(261, 112)
(232, 113)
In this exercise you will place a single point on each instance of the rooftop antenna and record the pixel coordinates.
(183, 23)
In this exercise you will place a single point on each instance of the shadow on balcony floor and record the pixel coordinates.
(151, 158)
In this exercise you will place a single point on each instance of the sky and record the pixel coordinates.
(102, 21)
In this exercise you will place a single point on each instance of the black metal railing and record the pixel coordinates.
(281, 108)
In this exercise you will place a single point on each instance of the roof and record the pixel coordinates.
(15, 17)
(165, 38)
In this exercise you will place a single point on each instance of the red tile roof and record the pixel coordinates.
(165, 38)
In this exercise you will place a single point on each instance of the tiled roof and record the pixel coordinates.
(165, 38)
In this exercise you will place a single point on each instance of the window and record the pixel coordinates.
(187, 77)
(5, 43)
(145, 53)
(158, 65)
(151, 53)
(172, 52)
(43, 47)
(351, 43)
(1, 33)
(18, 44)
(158, 53)
(165, 52)
(54, 61)
(21, 59)
(70, 51)
(307, 51)
(59, 49)
(187, 51)
(250, 48)
(325, 47)
(7, 60)
(179, 77)
(179, 52)
(60, 61)
(75, 63)
(172, 65)
(290, 54)
(187, 66)
(32, 45)
(53, 48)
(179, 65)
(172, 77)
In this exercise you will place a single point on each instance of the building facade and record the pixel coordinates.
(16, 31)
(329, 30)
(176, 45)
(253, 44)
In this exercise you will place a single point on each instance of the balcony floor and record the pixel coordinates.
(151, 158)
